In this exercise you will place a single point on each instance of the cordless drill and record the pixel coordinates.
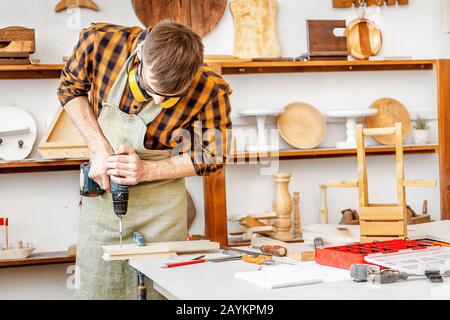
(120, 194)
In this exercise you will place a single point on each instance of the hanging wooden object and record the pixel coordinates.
(302, 126)
(255, 34)
(357, 3)
(66, 4)
(364, 39)
(282, 205)
(201, 16)
(381, 222)
(16, 45)
(323, 44)
(63, 140)
(390, 111)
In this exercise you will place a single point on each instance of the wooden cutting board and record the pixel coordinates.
(390, 111)
(201, 16)
(302, 126)
(364, 39)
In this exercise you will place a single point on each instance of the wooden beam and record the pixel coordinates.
(443, 81)
(215, 199)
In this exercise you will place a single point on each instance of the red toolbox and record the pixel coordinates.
(344, 256)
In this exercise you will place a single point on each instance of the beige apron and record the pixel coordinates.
(157, 209)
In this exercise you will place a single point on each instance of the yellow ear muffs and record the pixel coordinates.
(169, 102)
(136, 90)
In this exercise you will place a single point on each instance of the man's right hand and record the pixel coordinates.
(99, 166)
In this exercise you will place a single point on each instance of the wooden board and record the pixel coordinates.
(390, 111)
(63, 139)
(65, 4)
(364, 39)
(323, 44)
(124, 252)
(302, 126)
(201, 16)
(255, 28)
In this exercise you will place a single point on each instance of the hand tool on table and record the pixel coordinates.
(259, 260)
(142, 289)
(278, 251)
(120, 194)
(229, 250)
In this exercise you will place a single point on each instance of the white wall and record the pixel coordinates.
(43, 207)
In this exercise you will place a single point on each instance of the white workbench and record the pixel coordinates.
(216, 281)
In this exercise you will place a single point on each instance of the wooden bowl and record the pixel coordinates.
(302, 126)
(364, 39)
(390, 111)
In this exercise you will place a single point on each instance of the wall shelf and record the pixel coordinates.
(31, 71)
(329, 153)
(237, 67)
(40, 165)
(40, 259)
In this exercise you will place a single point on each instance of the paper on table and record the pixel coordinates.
(280, 276)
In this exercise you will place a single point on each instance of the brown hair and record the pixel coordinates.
(175, 53)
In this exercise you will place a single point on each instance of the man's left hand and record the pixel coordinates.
(125, 167)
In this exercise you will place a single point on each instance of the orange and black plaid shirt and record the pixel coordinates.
(94, 66)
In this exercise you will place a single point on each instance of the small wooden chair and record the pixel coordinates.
(381, 222)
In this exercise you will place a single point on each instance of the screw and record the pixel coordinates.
(20, 144)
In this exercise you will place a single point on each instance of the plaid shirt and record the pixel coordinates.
(94, 66)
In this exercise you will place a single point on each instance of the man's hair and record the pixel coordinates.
(175, 53)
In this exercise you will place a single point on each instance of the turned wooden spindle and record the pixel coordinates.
(282, 205)
(297, 227)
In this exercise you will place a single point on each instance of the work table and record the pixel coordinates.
(216, 281)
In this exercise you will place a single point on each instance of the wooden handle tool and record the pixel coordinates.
(277, 251)
(261, 259)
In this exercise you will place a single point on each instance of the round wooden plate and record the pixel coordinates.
(201, 16)
(302, 126)
(390, 111)
(364, 38)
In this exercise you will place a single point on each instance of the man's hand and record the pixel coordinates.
(99, 166)
(126, 167)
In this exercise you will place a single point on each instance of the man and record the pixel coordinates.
(149, 93)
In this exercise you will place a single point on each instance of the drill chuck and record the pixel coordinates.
(120, 194)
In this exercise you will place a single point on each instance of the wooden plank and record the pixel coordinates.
(342, 184)
(162, 247)
(382, 228)
(215, 202)
(381, 213)
(325, 153)
(38, 71)
(379, 132)
(363, 195)
(40, 259)
(368, 239)
(443, 82)
(419, 183)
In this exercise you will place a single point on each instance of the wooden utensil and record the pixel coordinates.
(65, 4)
(201, 16)
(364, 39)
(302, 126)
(390, 111)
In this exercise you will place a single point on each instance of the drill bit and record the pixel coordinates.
(120, 230)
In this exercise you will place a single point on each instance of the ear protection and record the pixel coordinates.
(141, 95)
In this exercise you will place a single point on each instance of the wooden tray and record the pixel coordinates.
(390, 111)
(302, 126)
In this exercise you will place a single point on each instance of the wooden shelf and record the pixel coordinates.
(40, 165)
(31, 71)
(328, 153)
(238, 67)
(40, 259)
